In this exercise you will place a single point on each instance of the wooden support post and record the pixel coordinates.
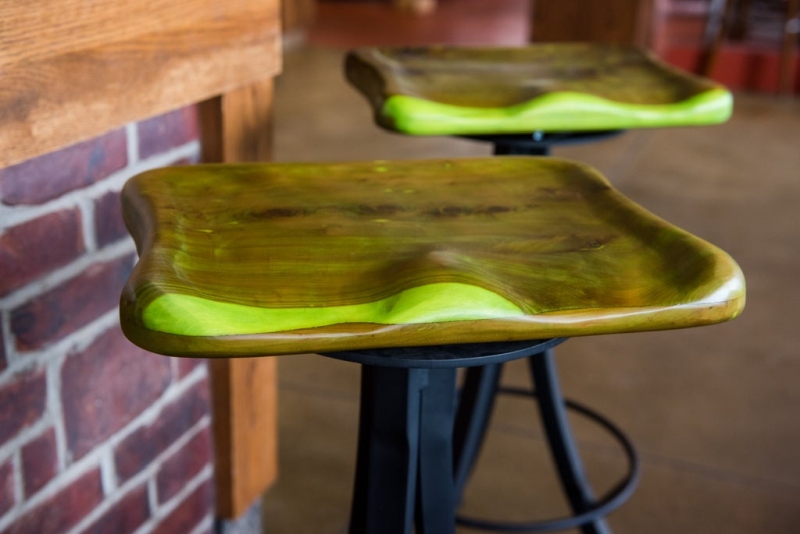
(236, 127)
(609, 21)
(297, 15)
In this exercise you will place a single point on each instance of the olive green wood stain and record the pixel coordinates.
(251, 259)
(542, 87)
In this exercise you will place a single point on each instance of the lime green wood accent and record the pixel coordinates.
(569, 111)
(253, 259)
(194, 316)
(542, 87)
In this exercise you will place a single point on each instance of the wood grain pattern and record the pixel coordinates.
(81, 83)
(51, 28)
(443, 90)
(297, 15)
(242, 249)
(245, 408)
(609, 21)
(501, 77)
(236, 127)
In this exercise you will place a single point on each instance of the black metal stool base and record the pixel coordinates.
(404, 464)
(478, 395)
(540, 143)
(404, 469)
(418, 441)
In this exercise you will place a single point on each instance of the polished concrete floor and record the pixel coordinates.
(715, 411)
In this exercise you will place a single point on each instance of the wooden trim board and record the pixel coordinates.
(70, 74)
(609, 21)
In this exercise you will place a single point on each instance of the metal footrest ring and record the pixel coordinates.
(613, 499)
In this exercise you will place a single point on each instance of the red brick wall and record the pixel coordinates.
(96, 436)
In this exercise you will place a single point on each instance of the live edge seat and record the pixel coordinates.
(410, 269)
(527, 99)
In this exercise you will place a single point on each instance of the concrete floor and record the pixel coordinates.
(713, 410)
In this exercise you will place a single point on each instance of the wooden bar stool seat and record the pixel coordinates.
(546, 93)
(394, 265)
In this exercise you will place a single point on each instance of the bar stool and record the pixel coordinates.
(525, 101)
(410, 269)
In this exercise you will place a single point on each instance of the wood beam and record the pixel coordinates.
(75, 69)
(609, 21)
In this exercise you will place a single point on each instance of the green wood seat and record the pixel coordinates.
(260, 259)
(537, 88)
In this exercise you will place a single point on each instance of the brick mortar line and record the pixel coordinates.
(108, 473)
(192, 148)
(16, 215)
(147, 476)
(171, 393)
(56, 277)
(53, 414)
(205, 525)
(59, 482)
(75, 342)
(93, 458)
(207, 473)
(52, 362)
(53, 372)
(88, 227)
(132, 142)
(55, 409)
(19, 485)
(152, 498)
(5, 325)
(26, 435)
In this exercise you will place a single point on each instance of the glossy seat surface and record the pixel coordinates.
(287, 258)
(541, 87)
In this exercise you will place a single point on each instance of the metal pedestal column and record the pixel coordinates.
(404, 474)
(414, 451)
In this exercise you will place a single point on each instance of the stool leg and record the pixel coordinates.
(475, 406)
(404, 452)
(436, 500)
(386, 464)
(559, 437)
